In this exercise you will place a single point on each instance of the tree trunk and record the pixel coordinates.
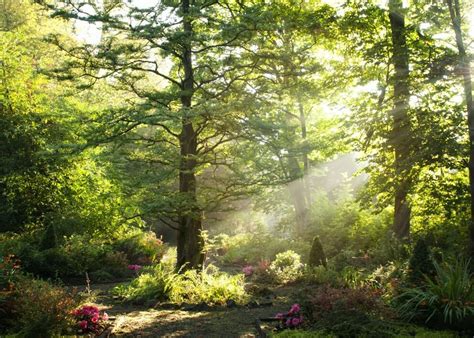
(464, 64)
(401, 125)
(306, 179)
(190, 241)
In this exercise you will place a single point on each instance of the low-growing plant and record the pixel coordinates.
(448, 296)
(154, 283)
(161, 283)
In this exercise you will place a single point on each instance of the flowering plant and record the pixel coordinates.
(291, 319)
(248, 270)
(134, 267)
(89, 319)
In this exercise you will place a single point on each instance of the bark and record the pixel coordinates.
(306, 181)
(401, 125)
(464, 64)
(190, 242)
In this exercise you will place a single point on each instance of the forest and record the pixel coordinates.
(236, 168)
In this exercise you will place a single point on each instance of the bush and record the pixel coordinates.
(316, 255)
(42, 309)
(321, 276)
(420, 263)
(252, 248)
(141, 247)
(209, 286)
(347, 312)
(287, 266)
(155, 283)
(448, 297)
(160, 283)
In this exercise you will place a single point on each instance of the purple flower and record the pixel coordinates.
(280, 315)
(295, 321)
(248, 270)
(295, 308)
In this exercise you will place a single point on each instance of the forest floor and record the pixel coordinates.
(170, 320)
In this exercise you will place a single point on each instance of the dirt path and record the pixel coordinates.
(162, 320)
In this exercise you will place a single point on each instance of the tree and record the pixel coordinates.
(464, 65)
(178, 66)
(401, 133)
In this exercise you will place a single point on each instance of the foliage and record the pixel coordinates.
(446, 297)
(316, 255)
(286, 266)
(249, 248)
(141, 247)
(161, 282)
(421, 262)
(42, 309)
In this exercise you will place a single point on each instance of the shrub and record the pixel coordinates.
(42, 309)
(161, 283)
(321, 276)
(141, 247)
(316, 255)
(252, 248)
(448, 297)
(347, 312)
(211, 287)
(420, 263)
(155, 283)
(287, 266)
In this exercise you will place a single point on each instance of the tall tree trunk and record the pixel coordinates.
(464, 64)
(190, 241)
(401, 125)
(306, 182)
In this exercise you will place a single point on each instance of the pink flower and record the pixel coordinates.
(95, 319)
(295, 321)
(280, 315)
(295, 308)
(105, 316)
(83, 324)
(247, 270)
(134, 267)
(288, 322)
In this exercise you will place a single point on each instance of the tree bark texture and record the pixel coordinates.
(400, 136)
(190, 241)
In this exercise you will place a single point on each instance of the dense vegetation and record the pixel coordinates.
(209, 152)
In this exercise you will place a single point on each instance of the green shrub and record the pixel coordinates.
(141, 247)
(161, 283)
(154, 283)
(209, 286)
(316, 255)
(287, 266)
(252, 248)
(321, 276)
(420, 263)
(448, 297)
(42, 310)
